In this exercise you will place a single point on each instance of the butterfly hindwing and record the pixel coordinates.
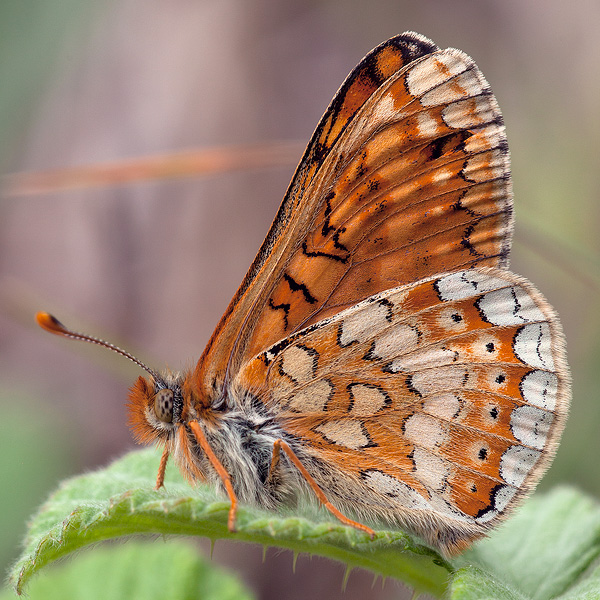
(442, 400)
(406, 176)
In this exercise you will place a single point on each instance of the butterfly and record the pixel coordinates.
(379, 353)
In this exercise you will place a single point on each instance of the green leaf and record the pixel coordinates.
(40, 433)
(120, 500)
(545, 551)
(587, 589)
(472, 583)
(541, 553)
(137, 570)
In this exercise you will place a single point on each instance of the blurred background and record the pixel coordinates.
(152, 265)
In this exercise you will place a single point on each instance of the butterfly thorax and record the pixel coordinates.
(239, 430)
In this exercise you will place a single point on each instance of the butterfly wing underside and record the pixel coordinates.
(406, 176)
(435, 405)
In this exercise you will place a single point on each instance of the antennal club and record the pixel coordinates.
(53, 325)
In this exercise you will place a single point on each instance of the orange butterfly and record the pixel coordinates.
(378, 351)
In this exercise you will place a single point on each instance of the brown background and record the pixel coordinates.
(152, 265)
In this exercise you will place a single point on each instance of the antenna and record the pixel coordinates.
(53, 325)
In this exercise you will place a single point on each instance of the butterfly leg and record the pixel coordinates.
(274, 464)
(220, 469)
(160, 478)
(281, 445)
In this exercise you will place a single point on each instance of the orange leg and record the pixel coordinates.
(160, 478)
(193, 472)
(184, 447)
(220, 469)
(280, 444)
(274, 460)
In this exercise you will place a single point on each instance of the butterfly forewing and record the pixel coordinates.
(406, 176)
(442, 400)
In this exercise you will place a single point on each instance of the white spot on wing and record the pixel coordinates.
(532, 345)
(434, 71)
(426, 359)
(470, 113)
(445, 406)
(516, 463)
(510, 306)
(299, 363)
(366, 400)
(282, 391)
(425, 431)
(384, 111)
(466, 284)
(502, 499)
(486, 138)
(394, 488)
(311, 398)
(463, 86)
(427, 126)
(362, 325)
(396, 341)
(530, 425)
(430, 469)
(440, 379)
(344, 432)
(441, 175)
(540, 388)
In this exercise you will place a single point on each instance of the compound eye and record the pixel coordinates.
(163, 405)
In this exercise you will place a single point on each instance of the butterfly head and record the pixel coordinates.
(161, 404)
(156, 407)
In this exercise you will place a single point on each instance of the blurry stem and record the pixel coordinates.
(186, 163)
